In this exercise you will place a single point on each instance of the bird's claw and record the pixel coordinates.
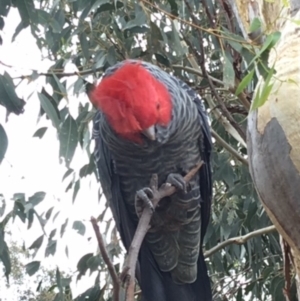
(178, 181)
(143, 198)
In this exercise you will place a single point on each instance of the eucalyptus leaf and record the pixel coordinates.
(3, 143)
(36, 198)
(68, 172)
(255, 24)
(49, 212)
(62, 89)
(63, 227)
(228, 75)
(79, 227)
(32, 267)
(84, 45)
(37, 243)
(27, 11)
(245, 82)
(263, 93)
(8, 96)
(40, 132)
(139, 21)
(76, 189)
(51, 248)
(56, 27)
(68, 139)
(82, 266)
(50, 110)
(5, 255)
(2, 205)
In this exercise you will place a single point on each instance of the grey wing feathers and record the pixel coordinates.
(110, 184)
(111, 187)
(206, 149)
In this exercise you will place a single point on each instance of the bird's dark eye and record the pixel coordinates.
(158, 106)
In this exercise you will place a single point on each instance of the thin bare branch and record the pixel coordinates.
(229, 148)
(62, 74)
(242, 96)
(239, 240)
(109, 264)
(197, 72)
(224, 121)
(209, 14)
(287, 268)
(5, 65)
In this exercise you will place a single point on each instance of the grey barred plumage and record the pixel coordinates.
(179, 222)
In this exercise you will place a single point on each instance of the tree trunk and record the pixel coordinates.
(274, 128)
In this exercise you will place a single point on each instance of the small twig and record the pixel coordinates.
(128, 273)
(110, 266)
(117, 47)
(242, 96)
(239, 240)
(197, 72)
(224, 121)
(60, 74)
(287, 260)
(6, 65)
(229, 148)
(211, 18)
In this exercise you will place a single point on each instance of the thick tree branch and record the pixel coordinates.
(109, 264)
(239, 240)
(229, 148)
(128, 273)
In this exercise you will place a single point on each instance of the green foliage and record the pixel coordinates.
(28, 288)
(32, 267)
(263, 91)
(245, 82)
(3, 143)
(79, 227)
(4, 254)
(255, 25)
(68, 139)
(93, 35)
(8, 96)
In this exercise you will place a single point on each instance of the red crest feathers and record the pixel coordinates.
(133, 100)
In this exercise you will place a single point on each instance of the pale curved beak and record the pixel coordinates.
(150, 132)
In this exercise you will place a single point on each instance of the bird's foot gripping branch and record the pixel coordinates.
(143, 198)
(127, 277)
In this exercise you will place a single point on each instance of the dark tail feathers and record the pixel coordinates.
(159, 286)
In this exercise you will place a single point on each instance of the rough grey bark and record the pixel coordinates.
(275, 176)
